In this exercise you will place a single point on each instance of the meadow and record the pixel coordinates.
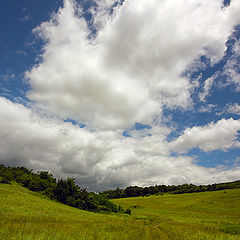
(26, 215)
(206, 215)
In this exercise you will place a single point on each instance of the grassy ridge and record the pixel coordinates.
(26, 215)
(207, 215)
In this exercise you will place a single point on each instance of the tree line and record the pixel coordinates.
(135, 191)
(68, 192)
(63, 190)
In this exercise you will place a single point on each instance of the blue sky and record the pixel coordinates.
(105, 93)
(19, 47)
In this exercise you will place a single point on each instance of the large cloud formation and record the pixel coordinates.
(133, 66)
(124, 71)
(105, 159)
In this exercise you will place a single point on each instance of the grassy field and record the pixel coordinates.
(207, 215)
(26, 215)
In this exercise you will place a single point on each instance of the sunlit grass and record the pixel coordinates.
(208, 215)
(27, 215)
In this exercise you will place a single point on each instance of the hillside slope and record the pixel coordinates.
(207, 215)
(26, 215)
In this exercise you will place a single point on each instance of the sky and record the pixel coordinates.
(120, 93)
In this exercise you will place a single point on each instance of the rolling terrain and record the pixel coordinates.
(206, 215)
(26, 215)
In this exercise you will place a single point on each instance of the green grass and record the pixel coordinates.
(26, 215)
(207, 215)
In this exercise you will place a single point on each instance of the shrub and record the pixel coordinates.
(128, 211)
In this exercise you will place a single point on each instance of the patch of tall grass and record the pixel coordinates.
(208, 215)
(26, 215)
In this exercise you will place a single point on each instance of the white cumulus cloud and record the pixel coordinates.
(105, 159)
(221, 135)
(133, 66)
(126, 72)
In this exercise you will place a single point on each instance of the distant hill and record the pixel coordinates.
(135, 191)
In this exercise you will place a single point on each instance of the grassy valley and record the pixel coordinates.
(207, 215)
